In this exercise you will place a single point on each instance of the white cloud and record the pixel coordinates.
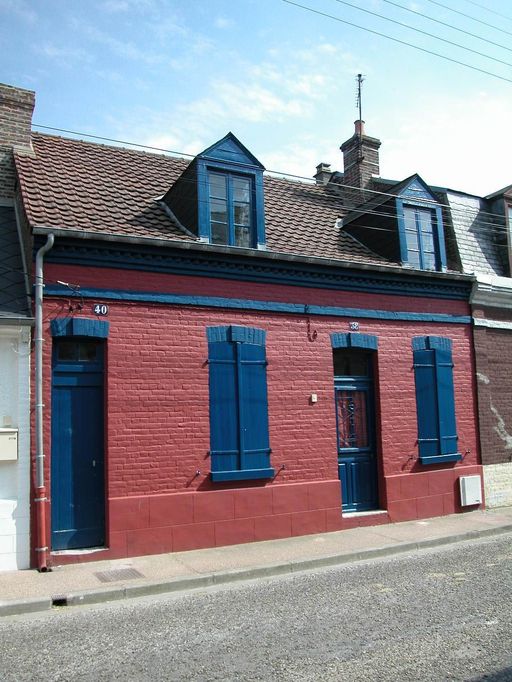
(223, 23)
(64, 54)
(20, 8)
(457, 142)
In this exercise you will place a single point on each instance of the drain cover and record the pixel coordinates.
(118, 574)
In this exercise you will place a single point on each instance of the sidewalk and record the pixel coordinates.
(94, 582)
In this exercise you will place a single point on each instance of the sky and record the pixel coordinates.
(180, 74)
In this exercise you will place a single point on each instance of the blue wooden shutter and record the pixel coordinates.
(223, 407)
(426, 403)
(239, 436)
(253, 410)
(435, 404)
(446, 402)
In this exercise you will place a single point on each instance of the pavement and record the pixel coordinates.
(101, 581)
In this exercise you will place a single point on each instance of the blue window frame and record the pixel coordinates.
(435, 402)
(239, 435)
(231, 209)
(230, 195)
(421, 238)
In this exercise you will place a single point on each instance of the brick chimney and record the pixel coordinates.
(16, 108)
(360, 160)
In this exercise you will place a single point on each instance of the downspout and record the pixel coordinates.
(40, 498)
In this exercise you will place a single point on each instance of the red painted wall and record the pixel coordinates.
(158, 423)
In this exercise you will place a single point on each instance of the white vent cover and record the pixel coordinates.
(470, 490)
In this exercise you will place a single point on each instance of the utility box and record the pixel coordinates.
(470, 490)
(8, 445)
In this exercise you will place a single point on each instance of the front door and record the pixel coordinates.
(77, 465)
(357, 466)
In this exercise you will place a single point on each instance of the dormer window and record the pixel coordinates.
(231, 207)
(219, 196)
(404, 224)
(420, 236)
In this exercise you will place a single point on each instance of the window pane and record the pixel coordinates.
(429, 260)
(414, 258)
(217, 185)
(242, 237)
(352, 421)
(219, 233)
(412, 240)
(241, 189)
(425, 221)
(350, 363)
(67, 350)
(409, 218)
(87, 351)
(242, 214)
(218, 211)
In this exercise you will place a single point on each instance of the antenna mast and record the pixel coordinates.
(360, 80)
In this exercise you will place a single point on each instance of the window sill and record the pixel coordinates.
(245, 475)
(441, 459)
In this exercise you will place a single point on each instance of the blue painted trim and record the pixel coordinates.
(404, 256)
(351, 340)
(235, 333)
(232, 266)
(255, 174)
(248, 304)
(441, 459)
(431, 343)
(440, 237)
(79, 326)
(242, 475)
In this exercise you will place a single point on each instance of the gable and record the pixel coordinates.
(417, 189)
(230, 150)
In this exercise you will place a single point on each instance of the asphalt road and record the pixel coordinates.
(436, 615)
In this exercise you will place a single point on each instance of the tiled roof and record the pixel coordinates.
(76, 185)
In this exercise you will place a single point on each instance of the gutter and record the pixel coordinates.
(40, 498)
(251, 253)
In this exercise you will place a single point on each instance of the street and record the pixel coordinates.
(434, 615)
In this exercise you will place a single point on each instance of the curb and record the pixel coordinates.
(103, 595)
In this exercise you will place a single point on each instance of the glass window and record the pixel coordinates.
(351, 363)
(420, 237)
(231, 210)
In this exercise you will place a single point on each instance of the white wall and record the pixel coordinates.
(15, 475)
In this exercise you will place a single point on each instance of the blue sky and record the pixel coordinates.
(179, 74)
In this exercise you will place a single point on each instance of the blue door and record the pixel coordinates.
(77, 465)
(357, 467)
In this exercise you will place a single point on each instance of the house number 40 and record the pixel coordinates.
(100, 309)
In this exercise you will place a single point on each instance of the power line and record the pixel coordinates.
(444, 23)
(309, 180)
(488, 9)
(468, 16)
(397, 40)
(425, 33)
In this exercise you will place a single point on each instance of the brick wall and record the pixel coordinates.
(493, 354)
(158, 417)
(16, 107)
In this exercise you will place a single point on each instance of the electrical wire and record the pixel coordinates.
(488, 9)
(450, 26)
(397, 40)
(468, 16)
(425, 33)
(275, 174)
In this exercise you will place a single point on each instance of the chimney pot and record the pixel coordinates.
(359, 127)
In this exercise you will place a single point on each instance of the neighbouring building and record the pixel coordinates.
(232, 356)
(15, 328)
(483, 235)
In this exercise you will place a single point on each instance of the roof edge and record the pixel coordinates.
(252, 253)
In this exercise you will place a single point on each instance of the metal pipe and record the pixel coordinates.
(40, 498)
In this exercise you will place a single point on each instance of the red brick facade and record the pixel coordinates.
(157, 415)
